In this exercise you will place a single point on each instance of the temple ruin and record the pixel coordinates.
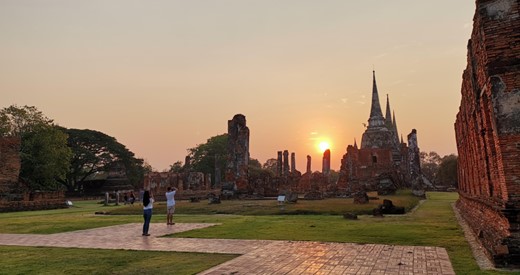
(14, 196)
(382, 163)
(488, 131)
(238, 154)
(190, 184)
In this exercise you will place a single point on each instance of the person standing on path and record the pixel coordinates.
(147, 211)
(170, 205)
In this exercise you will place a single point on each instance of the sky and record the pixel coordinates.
(163, 76)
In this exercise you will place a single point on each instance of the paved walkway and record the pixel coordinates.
(257, 256)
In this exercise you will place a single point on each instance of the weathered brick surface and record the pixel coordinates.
(188, 184)
(238, 149)
(488, 131)
(9, 163)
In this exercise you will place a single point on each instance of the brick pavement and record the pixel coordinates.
(257, 256)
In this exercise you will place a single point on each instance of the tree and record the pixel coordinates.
(44, 153)
(45, 158)
(176, 167)
(16, 121)
(254, 163)
(208, 156)
(271, 165)
(447, 173)
(430, 164)
(95, 152)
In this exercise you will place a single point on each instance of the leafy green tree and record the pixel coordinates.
(44, 153)
(147, 167)
(334, 176)
(254, 163)
(271, 165)
(430, 164)
(176, 167)
(447, 173)
(44, 158)
(16, 121)
(95, 152)
(210, 155)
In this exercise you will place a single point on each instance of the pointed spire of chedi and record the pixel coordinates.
(395, 128)
(376, 118)
(388, 116)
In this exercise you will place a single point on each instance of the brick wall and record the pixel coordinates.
(9, 163)
(488, 131)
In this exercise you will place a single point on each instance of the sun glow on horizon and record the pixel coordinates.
(323, 145)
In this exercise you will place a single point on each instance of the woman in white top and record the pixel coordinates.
(147, 211)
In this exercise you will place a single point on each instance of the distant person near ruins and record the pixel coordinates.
(170, 205)
(132, 198)
(147, 211)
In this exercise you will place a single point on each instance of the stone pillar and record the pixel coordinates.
(414, 165)
(238, 153)
(279, 164)
(414, 160)
(218, 174)
(285, 163)
(293, 162)
(308, 164)
(326, 162)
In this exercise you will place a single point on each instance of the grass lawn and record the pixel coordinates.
(432, 224)
(45, 260)
(271, 207)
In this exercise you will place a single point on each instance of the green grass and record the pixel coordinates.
(45, 260)
(432, 224)
(271, 207)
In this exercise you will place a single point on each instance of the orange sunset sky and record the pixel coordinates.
(164, 76)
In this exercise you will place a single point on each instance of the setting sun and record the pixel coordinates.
(323, 146)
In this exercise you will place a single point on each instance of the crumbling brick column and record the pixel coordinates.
(238, 152)
(326, 162)
(308, 164)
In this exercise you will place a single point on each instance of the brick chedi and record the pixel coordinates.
(488, 131)
(381, 163)
(238, 153)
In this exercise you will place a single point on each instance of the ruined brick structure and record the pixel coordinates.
(293, 162)
(286, 163)
(10, 164)
(309, 161)
(325, 168)
(279, 164)
(13, 195)
(188, 184)
(238, 154)
(382, 161)
(488, 131)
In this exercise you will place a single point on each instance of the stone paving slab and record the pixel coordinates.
(257, 256)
